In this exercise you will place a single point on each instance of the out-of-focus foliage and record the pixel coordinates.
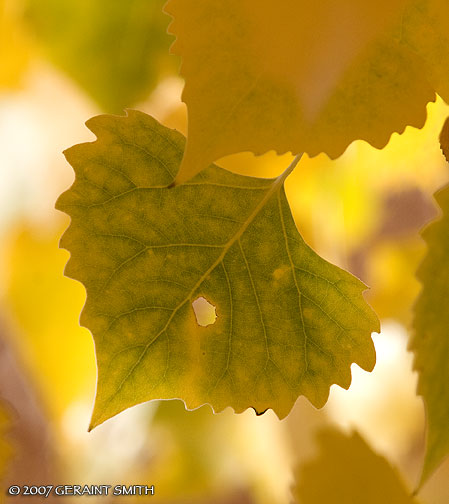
(289, 323)
(45, 306)
(391, 262)
(348, 471)
(430, 342)
(14, 44)
(195, 445)
(115, 49)
(219, 457)
(252, 86)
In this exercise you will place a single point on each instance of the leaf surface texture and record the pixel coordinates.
(288, 322)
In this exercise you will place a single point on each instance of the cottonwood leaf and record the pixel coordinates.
(430, 342)
(294, 76)
(288, 322)
(116, 50)
(348, 470)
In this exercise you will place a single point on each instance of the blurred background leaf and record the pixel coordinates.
(115, 50)
(14, 44)
(430, 342)
(29, 430)
(347, 470)
(196, 444)
(46, 307)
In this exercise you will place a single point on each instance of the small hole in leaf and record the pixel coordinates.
(204, 312)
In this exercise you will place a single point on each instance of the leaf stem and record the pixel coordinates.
(288, 170)
(293, 165)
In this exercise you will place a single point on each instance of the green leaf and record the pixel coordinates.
(349, 471)
(430, 342)
(288, 322)
(116, 50)
(295, 76)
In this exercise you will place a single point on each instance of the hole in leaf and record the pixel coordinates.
(204, 312)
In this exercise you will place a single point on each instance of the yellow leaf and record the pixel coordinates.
(347, 471)
(425, 29)
(294, 76)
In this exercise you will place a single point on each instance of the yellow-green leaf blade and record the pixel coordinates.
(430, 342)
(294, 76)
(288, 322)
(347, 470)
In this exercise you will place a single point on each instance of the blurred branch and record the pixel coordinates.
(34, 460)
